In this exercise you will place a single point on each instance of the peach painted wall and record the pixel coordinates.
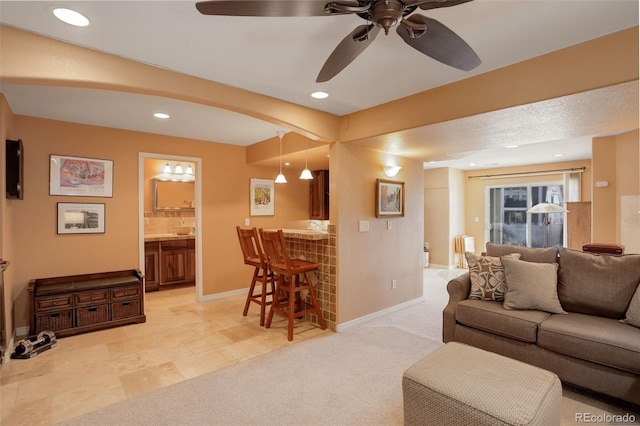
(37, 251)
(436, 215)
(368, 261)
(616, 160)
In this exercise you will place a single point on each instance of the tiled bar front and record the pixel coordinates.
(323, 252)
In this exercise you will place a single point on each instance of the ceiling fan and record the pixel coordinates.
(424, 34)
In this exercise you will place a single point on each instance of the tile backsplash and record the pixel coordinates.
(164, 222)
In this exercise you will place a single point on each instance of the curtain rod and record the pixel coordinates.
(523, 174)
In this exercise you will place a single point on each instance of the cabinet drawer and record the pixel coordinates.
(130, 308)
(56, 302)
(173, 244)
(92, 297)
(92, 315)
(124, 292)
(54, 321)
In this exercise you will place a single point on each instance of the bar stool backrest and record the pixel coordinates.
(276, 251)
(251, 248)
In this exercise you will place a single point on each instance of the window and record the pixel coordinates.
(509, 222)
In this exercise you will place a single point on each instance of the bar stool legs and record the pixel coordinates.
(265, 277)
(288, 301)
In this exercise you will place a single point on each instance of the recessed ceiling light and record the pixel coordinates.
(512, 146)
(287, 164)
(472, 164)
(71, 17)
(319, 95)
(162, 115)
(558, 155)
(432, 162)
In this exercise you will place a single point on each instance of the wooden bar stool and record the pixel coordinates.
(254, 256)
(287, 300)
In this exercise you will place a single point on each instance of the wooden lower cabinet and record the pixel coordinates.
(172, 262)
(82, 303)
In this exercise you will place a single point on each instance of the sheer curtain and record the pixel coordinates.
(571, 186)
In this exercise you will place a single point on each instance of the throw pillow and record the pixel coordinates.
(595, 284)
(531, 286)
(632, 316)
(530, 254)
(487, 277)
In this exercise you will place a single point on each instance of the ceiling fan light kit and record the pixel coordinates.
(424, 34)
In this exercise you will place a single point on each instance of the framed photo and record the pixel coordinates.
(389, 198)
(76, 218)
(86, 177)
(262, 197)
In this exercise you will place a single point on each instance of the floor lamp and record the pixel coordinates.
(546, 208)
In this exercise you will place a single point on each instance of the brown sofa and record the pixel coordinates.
(586, 345)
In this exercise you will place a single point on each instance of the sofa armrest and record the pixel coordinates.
(458, 289)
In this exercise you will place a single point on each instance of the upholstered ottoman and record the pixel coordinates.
(461, 385)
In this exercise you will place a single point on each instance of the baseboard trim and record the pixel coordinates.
(223, 295)
(22, 331)
(352, 323)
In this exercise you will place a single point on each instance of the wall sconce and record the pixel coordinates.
(391, 171)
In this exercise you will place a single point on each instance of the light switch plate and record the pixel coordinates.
(246, 221)
(363, 226)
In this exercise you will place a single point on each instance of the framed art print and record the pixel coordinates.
(389, 198)
(76, 218)
(262, 197)
(76, 176)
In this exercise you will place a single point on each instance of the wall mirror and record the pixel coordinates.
(171, 195)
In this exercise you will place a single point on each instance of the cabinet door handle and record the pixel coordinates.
(124, 304)
(54, 315)
(92, 309)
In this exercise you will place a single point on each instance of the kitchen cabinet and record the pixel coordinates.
(319, 195)
(170, 262)
(81, 303)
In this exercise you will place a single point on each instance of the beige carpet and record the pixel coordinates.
(348, 378)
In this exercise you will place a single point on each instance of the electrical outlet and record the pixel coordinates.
(394, 284)
(246, 221)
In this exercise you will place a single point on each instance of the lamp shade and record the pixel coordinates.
(547, 208)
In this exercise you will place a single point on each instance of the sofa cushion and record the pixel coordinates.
(601, 340)
(632, 317)
(487, 277)
(529, 254)
(492, 317)
(595, 284)
(531, 286)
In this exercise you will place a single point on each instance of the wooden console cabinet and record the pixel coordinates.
(82, 303)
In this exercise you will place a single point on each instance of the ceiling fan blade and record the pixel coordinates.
(349, 49)
(269, 7)
(427, 5)
(440, 43)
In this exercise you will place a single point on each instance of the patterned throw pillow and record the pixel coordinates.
(487, 276)
(531, 286)
(632, 316)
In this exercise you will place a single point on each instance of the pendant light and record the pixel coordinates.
(280, 178)
(306, 173)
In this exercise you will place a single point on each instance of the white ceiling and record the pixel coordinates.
(281, 57)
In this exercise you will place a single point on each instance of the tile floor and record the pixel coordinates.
(181, 339)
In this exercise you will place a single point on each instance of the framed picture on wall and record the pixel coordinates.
(262, 197)
(77, 176)
(389, 198)
(76, 218)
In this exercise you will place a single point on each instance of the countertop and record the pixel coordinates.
(163, 237)
(305, 234)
